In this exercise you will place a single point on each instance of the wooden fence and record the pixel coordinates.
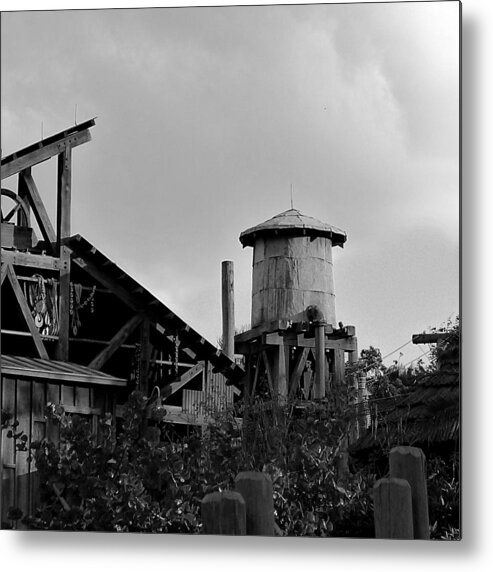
(400, 502)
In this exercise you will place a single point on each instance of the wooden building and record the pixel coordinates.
(77, 330)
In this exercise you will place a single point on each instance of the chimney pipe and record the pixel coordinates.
(228, 307)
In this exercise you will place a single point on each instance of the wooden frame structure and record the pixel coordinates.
(79, 331)
(300, 359)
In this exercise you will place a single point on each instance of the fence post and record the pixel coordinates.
(256, 489)
(224, 513)
(393, 511)
(409, 463)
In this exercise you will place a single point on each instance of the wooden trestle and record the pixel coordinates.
(301, 360)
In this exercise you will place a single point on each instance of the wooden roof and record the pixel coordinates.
(57, 371)
(294, 223)
(141, 300)
(430, 413)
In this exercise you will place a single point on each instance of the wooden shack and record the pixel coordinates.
(79, 331)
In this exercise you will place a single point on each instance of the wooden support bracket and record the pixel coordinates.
(116, 342)
(26, 312)
(36, 203)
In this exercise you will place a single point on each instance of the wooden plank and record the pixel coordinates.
(320, 362)
(36, 203)
(68, 395)
(23, 218)
(43, 354)
(430, 338)
(116, 342)
(38, 432)
(23, 466)
(297, 371)
(268, 371)
(82, 409)
(279, 371)
(41, 261)
(67, 377)
(64, 195)
(5, 266)
(174, 386)
(52, 396)
(339, 367)
(36, 156)
(256, 374)
(63, 231)
(81, 397)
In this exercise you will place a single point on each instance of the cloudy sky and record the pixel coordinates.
(207, 116)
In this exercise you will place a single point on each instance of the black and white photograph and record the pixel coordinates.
(231, 271)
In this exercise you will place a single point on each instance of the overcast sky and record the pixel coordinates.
(206, 116)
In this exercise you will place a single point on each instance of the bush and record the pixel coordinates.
(122, 481)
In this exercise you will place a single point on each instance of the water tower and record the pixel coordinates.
(295, 343)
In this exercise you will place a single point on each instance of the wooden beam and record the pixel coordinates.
(36, 203)
(256, 332)
(116, 341)
(280, 372)
(62, 350)
(26, 312)
(256, 374)
(33, 260)
(339, 367)
(294, 382)
(19, 163)
(430, 338)
(64, 195)
(23, 218)
(174, 386)
(320, 361)
(5, 266)
(268, 371)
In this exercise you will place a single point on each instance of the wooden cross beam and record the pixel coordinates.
(44, 150)
(36, 203)
(174, 386)
(116, 341)
(26, 312)
(294, 382)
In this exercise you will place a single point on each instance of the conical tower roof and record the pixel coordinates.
(296, 224)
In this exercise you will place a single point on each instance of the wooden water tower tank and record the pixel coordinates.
(292, 266)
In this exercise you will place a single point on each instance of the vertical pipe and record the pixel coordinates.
(228, 308)
(320, 360)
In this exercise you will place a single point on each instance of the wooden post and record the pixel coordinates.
(393, 511)
(363, 413)
(224, 513)
(63, 231)
(256, 489)
(355, 407)
(279, 372)
(320, 361)
(24, 195)
(228, 306)
(409, 463)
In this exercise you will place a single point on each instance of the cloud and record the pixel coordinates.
(207, 116)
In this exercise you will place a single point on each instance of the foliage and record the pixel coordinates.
(444, 497)
(119, 480)
(447, 351)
